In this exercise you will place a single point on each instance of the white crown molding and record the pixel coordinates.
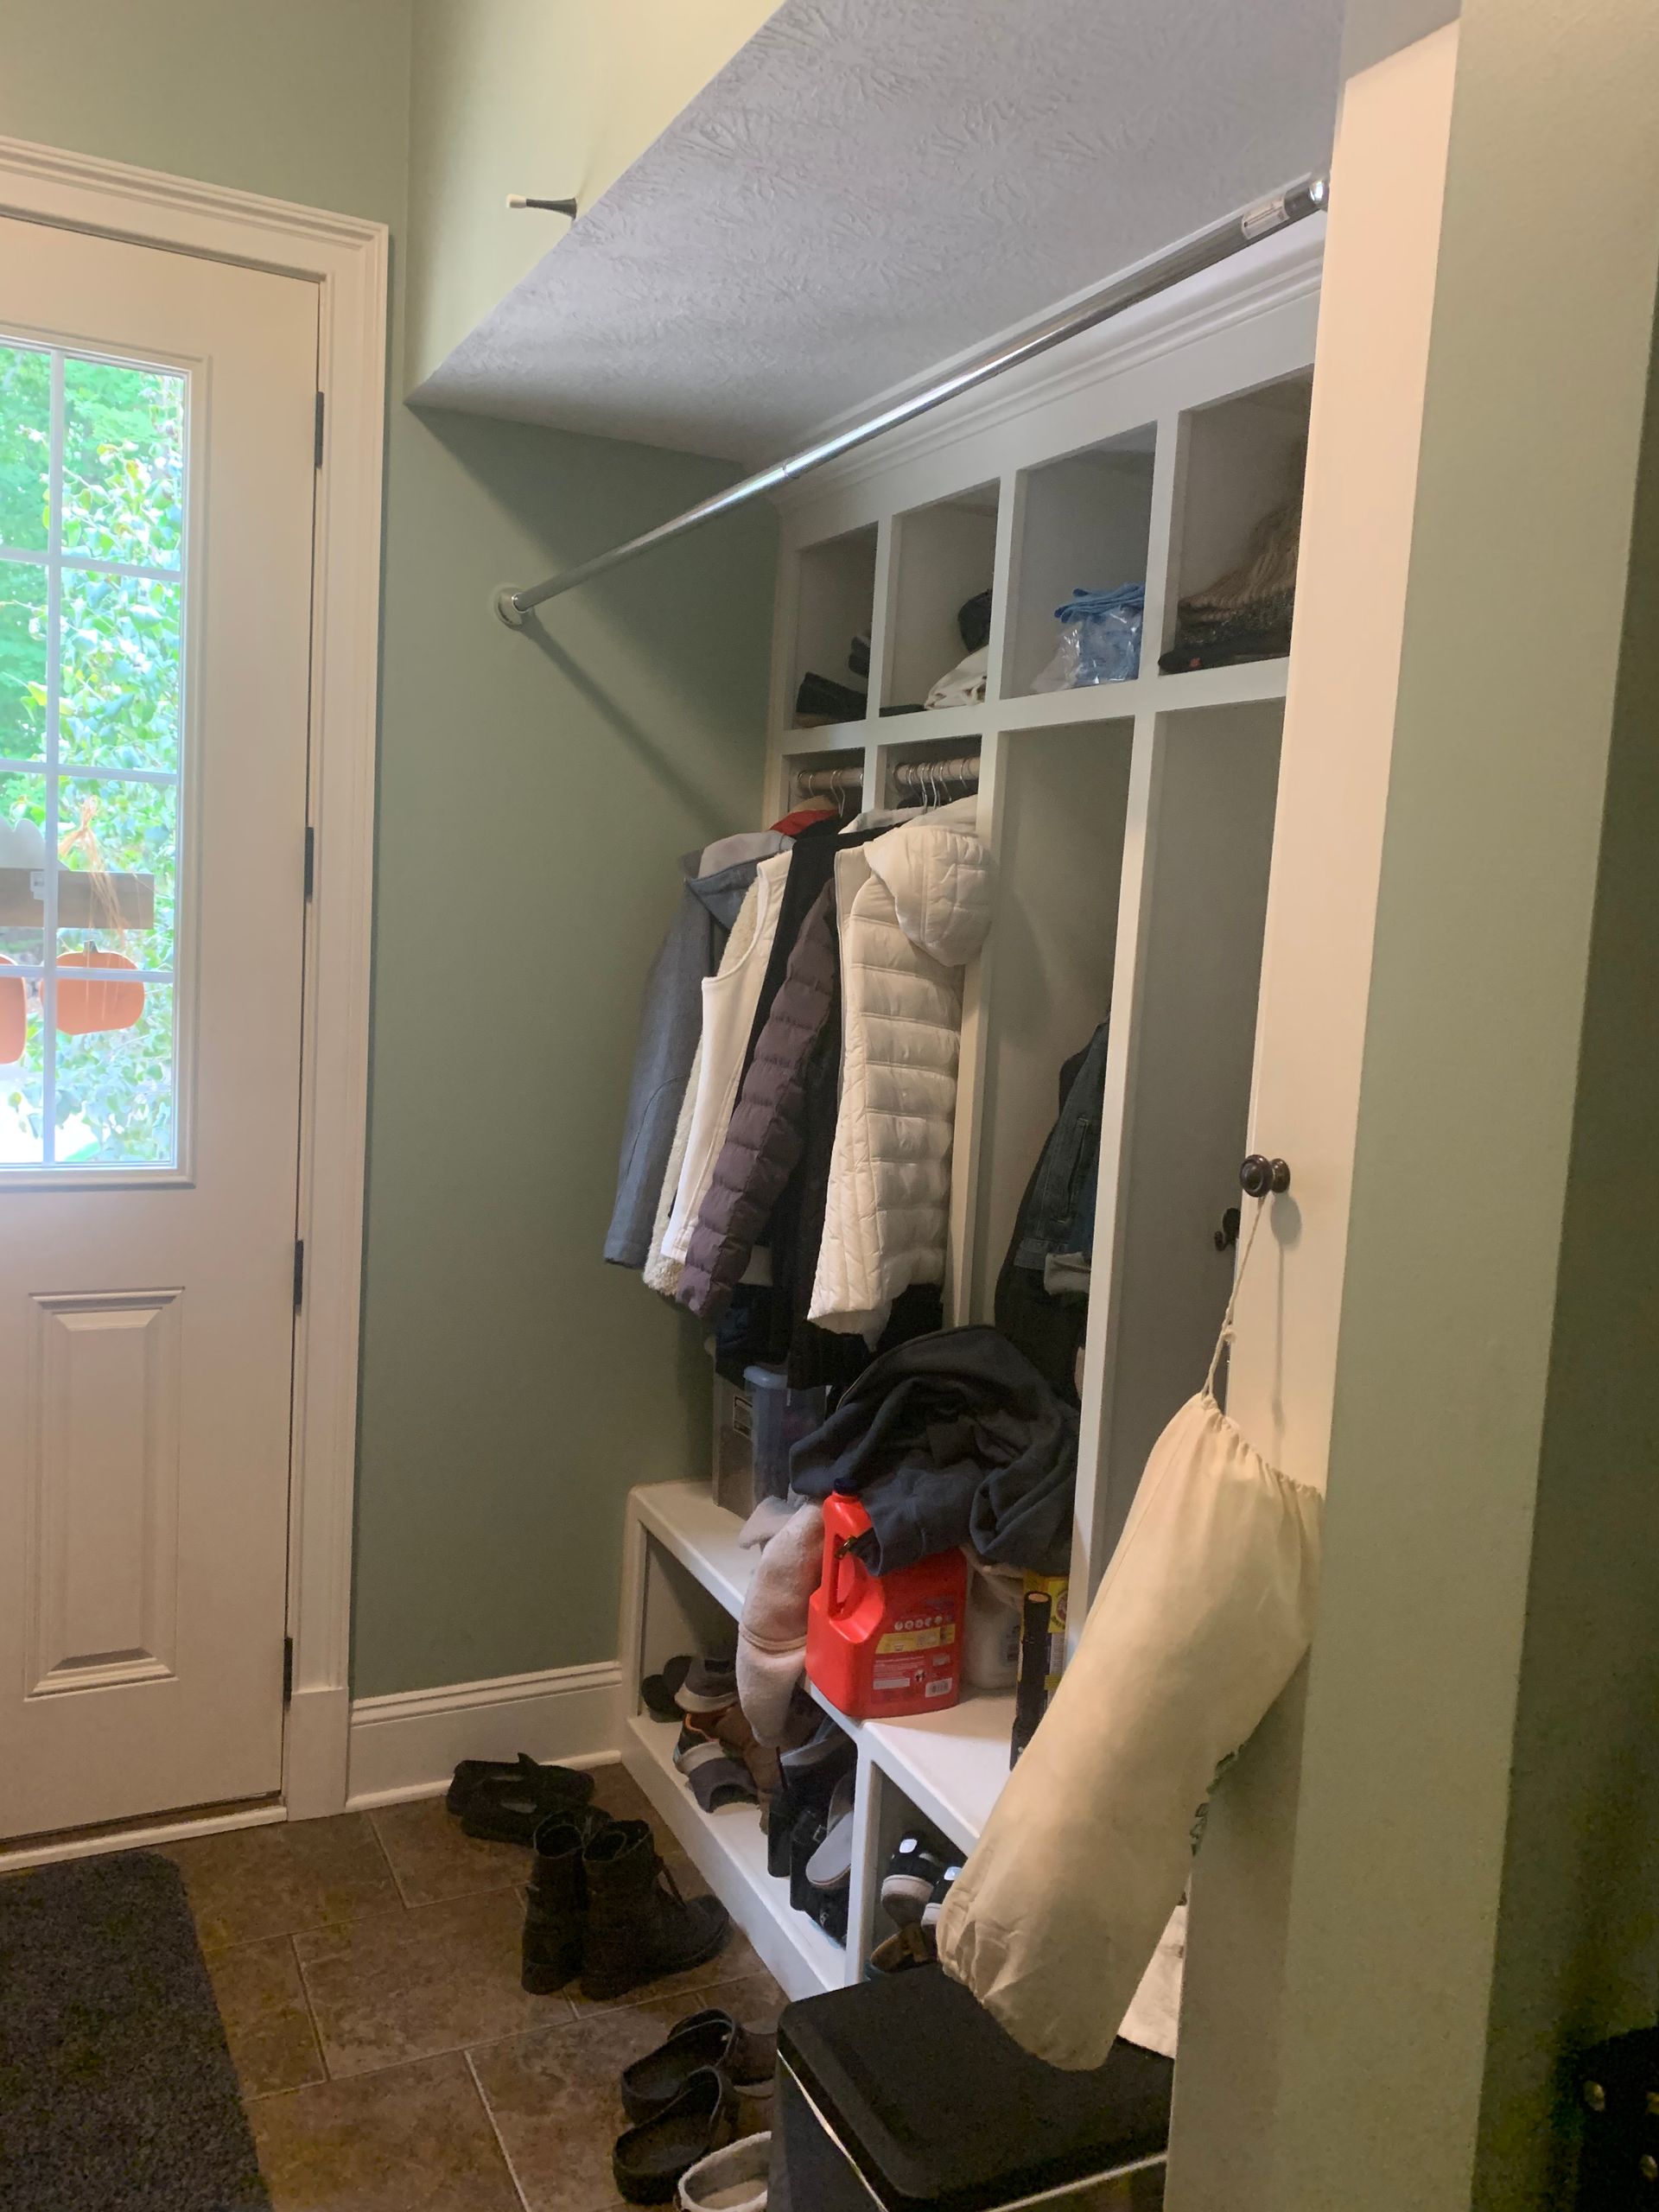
(88, 193)
(1274, 275)
(346, 257)
(408, 1744)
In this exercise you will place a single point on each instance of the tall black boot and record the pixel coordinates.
(557, 1903)
(638, 1926)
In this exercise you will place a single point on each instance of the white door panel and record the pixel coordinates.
(157, 605)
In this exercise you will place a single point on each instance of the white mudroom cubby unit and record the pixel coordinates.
(1130, 827)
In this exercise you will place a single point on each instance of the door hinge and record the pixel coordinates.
(299, 1273)
(317, 452)
(310, 859)
(288, 1669)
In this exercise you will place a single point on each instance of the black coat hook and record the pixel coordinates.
(1226, 1234)
(1261, 1178)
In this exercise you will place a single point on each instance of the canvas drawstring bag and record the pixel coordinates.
(1201, 1619)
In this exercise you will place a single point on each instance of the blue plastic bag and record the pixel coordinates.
(1100, 639)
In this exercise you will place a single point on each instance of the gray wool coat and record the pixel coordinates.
(670, 1022)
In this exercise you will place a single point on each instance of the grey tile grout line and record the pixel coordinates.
(371, 2073)
(506, 2156)
(380, 1845)
(576, 2019)
(585, 2017)
(310, 2013)
(407, 1903)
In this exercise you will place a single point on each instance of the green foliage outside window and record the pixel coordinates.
(120, 704)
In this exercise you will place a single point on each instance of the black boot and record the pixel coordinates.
(638, 1926)
(557, 1903)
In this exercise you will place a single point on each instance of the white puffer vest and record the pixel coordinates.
(913, 908)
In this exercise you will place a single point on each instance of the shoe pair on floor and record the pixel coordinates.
(600, 1904)
(691, 2101)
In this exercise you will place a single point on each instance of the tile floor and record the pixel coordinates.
(366, 1969)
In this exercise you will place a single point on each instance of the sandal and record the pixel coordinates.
(649, 2162)
(503, 1801)
(746, 2057)
(913, 1946)
(716, 1778)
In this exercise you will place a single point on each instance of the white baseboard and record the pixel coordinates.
(315, 1742)
(408, 1744)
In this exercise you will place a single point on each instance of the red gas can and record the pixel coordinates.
(881, 1645)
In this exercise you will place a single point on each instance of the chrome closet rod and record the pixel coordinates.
(1308, 195)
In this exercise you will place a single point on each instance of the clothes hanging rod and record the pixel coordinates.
(913, 775)
(1308, 195)
(908, 775)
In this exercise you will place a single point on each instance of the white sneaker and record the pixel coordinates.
(732, 2180)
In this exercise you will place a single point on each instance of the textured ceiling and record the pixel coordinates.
(870, 185)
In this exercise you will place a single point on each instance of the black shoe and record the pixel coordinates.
(555, 1910)
(505, 1801)
(805, 1834)
(810, 1776)
(658, 1692)
(638, 1926)
(650, 2160)
(912, 1872)
(745, 2058)
(942, 1889)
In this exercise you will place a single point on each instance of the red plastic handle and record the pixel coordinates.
(843, 1580)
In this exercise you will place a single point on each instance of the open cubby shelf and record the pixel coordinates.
(946, 555)
(1084, 522)
(835, 604)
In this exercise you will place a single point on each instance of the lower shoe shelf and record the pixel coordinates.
(951, 1766)
(729, 1849)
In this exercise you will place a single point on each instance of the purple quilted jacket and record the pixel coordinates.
(763, 1141)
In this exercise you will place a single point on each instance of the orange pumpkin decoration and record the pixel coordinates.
(14, 1015)
(83, 1007)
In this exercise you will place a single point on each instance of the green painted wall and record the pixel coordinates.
(533, 799)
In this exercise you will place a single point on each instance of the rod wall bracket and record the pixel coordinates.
(507, 608)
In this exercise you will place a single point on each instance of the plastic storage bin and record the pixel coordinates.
(781, 1417)
(904, 2092)
(733, 1466)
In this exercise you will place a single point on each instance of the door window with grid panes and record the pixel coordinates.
(92, 587)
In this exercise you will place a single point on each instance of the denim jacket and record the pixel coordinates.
(1057, 1219)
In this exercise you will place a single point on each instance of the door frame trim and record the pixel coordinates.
(346, 257)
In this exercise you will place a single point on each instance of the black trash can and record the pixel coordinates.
(905, 2094)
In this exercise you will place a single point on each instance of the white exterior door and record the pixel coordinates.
(156, 484)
